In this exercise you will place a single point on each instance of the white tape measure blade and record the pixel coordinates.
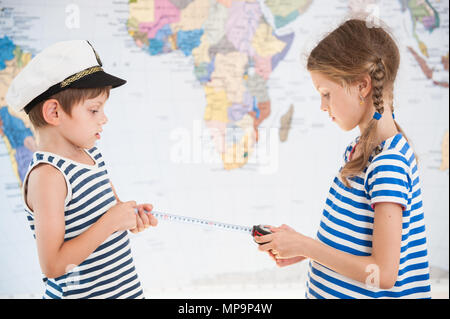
(198, 221)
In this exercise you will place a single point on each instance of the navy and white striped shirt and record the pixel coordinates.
(109, 271)
(347, 224)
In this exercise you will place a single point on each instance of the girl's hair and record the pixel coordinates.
(67, 98)
(347, 54)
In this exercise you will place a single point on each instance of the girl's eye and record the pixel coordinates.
(327, 95)
(94, 111)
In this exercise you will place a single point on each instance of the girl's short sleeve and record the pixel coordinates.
(388, 179)
(349, 149)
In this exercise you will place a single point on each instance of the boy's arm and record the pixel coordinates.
(46, 195)
(115, 193)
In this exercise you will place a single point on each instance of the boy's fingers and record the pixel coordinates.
(144, 217)
(148, 207)
(153, 220)
(139, 225)
(132, 203)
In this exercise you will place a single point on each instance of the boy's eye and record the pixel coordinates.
(94, 111)
(327, 95)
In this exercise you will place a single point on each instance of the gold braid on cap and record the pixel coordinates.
(79, 75)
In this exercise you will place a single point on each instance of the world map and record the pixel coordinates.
(214, 79)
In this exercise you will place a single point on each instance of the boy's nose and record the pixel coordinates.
(104, 119)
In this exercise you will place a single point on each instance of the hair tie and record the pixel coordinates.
(376, 116)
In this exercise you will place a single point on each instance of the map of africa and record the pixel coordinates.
(235, 51)
(219, 120)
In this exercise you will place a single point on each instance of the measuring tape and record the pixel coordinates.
(257, 230)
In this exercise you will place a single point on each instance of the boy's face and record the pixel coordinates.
(84, 126)
(342, 104)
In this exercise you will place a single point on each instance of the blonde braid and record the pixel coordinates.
(377, 75)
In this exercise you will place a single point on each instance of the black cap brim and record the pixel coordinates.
(97, 79)
(93, 80)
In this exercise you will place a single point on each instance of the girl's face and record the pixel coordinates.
(342, 104)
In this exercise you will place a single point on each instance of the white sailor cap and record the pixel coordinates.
(63, 65)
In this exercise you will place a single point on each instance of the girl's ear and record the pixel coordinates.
(365, 85)
(51, 112)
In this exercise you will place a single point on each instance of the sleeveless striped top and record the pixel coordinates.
(347, 225)
(109, 272)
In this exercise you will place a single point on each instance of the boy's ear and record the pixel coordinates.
(51, 111)
(365, 85)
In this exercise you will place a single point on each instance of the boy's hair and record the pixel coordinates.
(345, 56)
(67, 98)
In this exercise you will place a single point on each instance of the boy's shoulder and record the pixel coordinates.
(45, 174)
(44, 181)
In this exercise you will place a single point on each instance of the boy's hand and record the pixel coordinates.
(122, 216)
(144, 218)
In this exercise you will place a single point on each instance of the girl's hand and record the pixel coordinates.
(288, 261)
(283, 243)
(144, 218)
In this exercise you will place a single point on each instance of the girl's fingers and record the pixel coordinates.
(266, 247)
(286, 227)
(272, 255)
(263, 239)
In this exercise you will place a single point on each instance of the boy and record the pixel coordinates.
(79, 224)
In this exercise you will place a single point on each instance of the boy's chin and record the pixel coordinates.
(88, 146)
(91, 146)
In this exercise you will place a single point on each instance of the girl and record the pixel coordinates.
(371, 241)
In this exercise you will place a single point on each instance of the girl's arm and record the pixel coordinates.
(46, 195)
(378, 269)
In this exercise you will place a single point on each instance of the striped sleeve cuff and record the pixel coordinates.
(388, 180)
